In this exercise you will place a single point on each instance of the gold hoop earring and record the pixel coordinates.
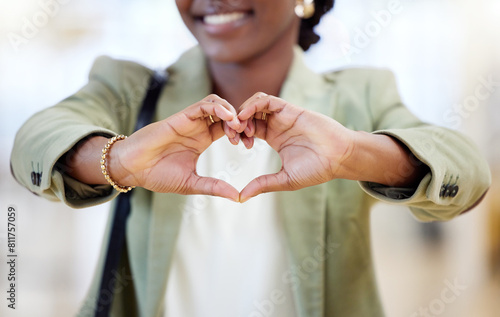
(304, 9)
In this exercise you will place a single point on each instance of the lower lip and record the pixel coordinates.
(221, 29)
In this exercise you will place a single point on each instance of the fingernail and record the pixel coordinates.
(245, 142)
(242, 124)
(236, 126)
(244, 200)
(237, 138)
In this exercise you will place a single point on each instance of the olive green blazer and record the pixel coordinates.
(327, 226)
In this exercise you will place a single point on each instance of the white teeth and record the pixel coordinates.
(217, 19)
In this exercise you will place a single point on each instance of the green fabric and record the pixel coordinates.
(327, 226)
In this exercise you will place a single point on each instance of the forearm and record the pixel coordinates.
(83, 161)
(382, 159)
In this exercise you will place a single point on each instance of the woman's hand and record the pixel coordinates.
(315, 149)
(162, 156)
(312, 147)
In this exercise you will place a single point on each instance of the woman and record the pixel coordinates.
(303, 249)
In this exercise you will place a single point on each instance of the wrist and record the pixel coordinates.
(382, 159)
(355, 165)
(82, 161)
(111, 167)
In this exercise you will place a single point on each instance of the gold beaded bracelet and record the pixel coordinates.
(104, 165)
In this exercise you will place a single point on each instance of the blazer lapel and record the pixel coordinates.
(304, 211)
(165, 223)
(188, 83)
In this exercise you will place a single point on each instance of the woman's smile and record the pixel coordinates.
(222, 23)
(236, 31)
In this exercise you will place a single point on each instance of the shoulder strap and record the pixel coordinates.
(156, 83)
(116, 240)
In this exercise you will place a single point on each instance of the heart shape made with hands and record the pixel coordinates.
(300, 137)
(162, 156)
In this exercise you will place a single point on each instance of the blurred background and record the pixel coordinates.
(444, 54)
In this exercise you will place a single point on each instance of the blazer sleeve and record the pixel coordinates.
(107, 105)
(458, 176)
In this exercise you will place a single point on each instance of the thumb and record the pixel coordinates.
(213, 187)
(264, 184)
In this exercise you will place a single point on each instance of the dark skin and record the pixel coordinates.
(253, 57)
(248, 58)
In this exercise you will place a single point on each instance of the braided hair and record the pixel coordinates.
(307, 36)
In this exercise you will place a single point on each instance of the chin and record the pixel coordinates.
(225, 54)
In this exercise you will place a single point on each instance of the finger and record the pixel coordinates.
(236, 139)
(249, 101)
(250, 129)
(247, 141)
(216, 130)
(243, 126)
(233, 122)
(231, 133)
(264, 184)
(260, 129)
(204, 109)
(213, 98)
(267, 104)
(213, 187)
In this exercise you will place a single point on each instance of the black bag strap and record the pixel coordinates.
(122, 207)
